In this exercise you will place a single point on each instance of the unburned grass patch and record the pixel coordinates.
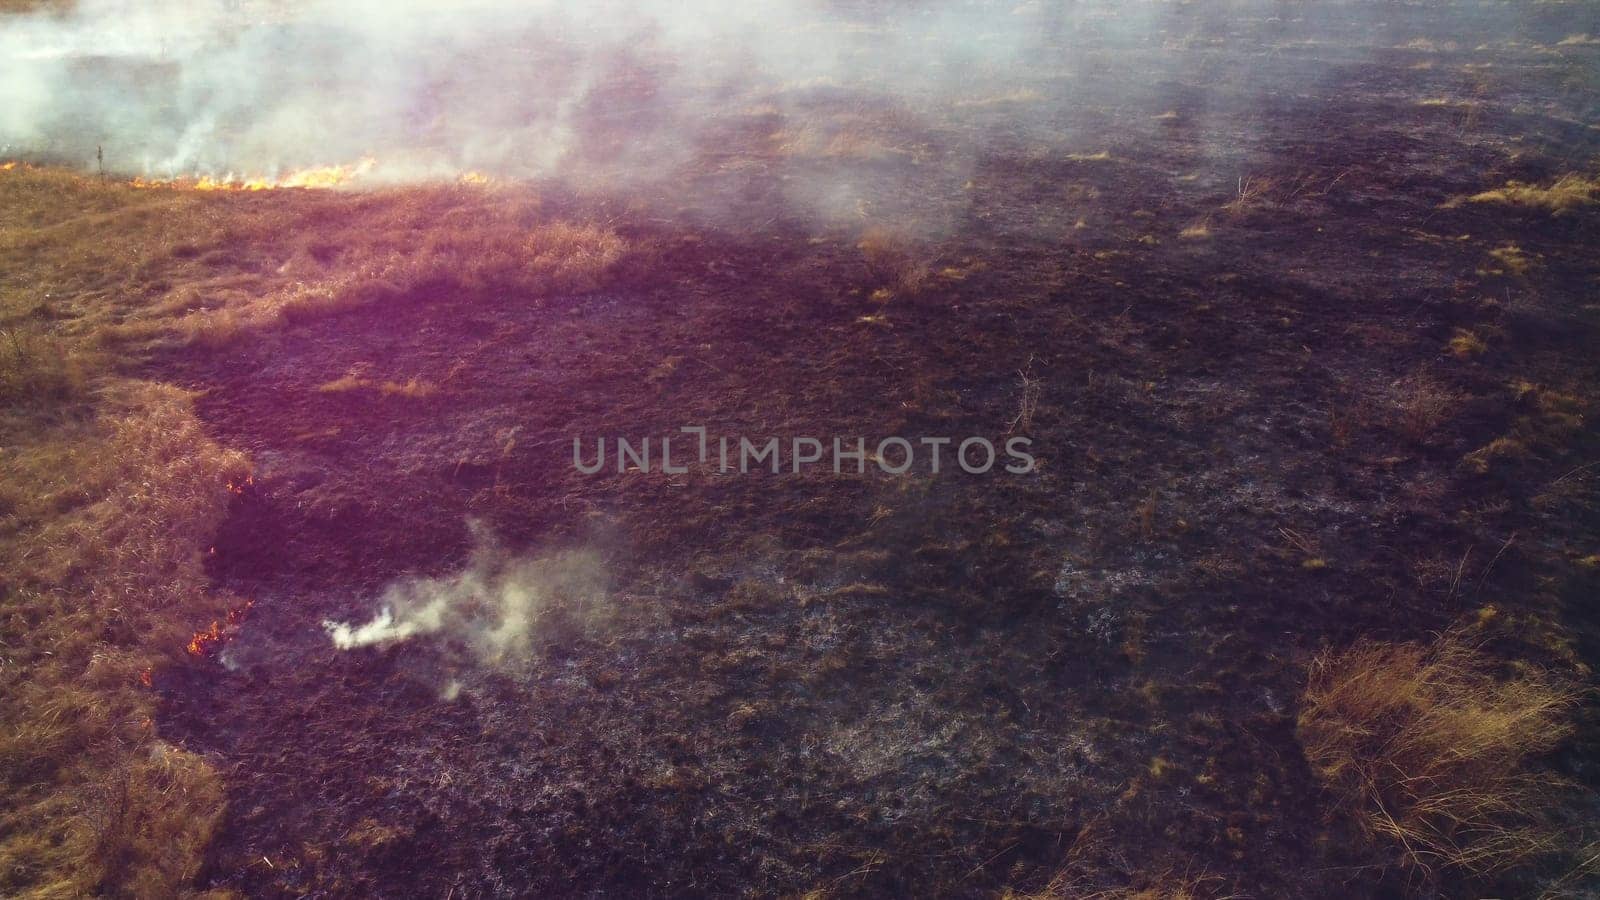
(141, 265)
(105, 521)
(895, 265)
(1429, 751)
(1563, 195)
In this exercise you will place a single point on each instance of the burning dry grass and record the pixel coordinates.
(502, 609)
(1427, 749)
(105, 521)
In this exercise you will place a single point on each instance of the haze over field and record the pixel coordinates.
(624, 91)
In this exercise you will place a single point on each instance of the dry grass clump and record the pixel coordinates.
(1563, 195)
(1549, 420)
(1466, 344)
(893, 263)
(1422, 406)
(1252, 191)
(1426, 749)
(413, 388)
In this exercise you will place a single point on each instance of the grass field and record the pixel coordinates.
(302, 594)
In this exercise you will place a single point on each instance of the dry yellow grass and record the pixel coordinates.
(893, 262)
(140, 265)
(1422, 405)
(414, 388)
(1083, 876)
(106, 519)
(1252, 191)
(1427, 749)
(1566, 193)
(1466, 344)
(419, 257)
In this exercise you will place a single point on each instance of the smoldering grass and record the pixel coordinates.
(503, 607)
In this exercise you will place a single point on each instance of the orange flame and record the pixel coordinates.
(209, 640)
(204, 641)
(239, 487)
(317, 178)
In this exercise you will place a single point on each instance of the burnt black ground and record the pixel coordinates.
(935, 685)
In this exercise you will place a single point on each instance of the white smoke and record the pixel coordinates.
(865, 101)
(428, 86)
(500, 606)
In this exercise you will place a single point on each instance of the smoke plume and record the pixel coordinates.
(501, 607)
(835, 108)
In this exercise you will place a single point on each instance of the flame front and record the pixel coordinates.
(316, 178)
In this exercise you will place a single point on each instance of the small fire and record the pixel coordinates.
(7, 166)
(239, 487)
(209, 640)
(147, 678)
(315, 178)
(205, 641)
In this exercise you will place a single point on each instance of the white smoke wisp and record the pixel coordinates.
(502, 607)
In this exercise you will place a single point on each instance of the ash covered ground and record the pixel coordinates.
(1287, 385)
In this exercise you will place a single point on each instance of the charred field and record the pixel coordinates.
(1297, 307)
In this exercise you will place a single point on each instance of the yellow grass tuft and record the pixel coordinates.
(414, 389)
(1466, 344)
(1426, 748)
(344, 384)
(894, 262)
(1563, 195)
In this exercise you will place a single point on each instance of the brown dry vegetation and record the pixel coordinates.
(110, 491)
(1429, 749)
(1562, 195)
(106, 519)
(894, 263)
(151, 264)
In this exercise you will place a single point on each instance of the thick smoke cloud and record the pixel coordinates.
(824, 106)
(434, 88)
